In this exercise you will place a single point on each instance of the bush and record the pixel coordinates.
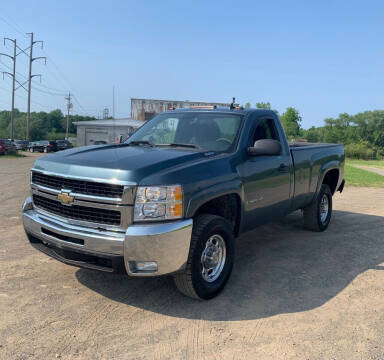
(361, 151)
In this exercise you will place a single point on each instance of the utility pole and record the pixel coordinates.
(13, 76)
(30, 76)
(69, 107)
(113, 101)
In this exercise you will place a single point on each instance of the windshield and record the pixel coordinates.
(209, 132)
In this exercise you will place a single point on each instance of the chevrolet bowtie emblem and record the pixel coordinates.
(65, 198)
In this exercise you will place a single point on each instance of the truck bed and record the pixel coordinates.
(309, 159)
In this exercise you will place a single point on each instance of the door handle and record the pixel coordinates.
(283, 168)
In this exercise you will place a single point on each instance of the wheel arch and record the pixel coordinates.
(225, 203)
(330, 175)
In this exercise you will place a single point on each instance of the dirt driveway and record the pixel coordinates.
(293, 294)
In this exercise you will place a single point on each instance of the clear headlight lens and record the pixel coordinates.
(158, 203)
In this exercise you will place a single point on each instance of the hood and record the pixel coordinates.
(118, 162)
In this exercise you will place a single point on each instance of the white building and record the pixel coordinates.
(104, 130)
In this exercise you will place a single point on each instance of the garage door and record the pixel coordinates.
(91, 136)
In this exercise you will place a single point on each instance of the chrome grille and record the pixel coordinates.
(77, 212)
(78, 186)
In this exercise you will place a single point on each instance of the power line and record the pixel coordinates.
(12, 26)
(41, 87)
(48, 92)
(78, 103)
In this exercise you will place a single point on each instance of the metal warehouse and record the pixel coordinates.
(146, 109)
(104, 130)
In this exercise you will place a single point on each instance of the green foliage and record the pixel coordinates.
(362, 134)
(291, 121)
(51, 126)
(247, 105)
(263, 105)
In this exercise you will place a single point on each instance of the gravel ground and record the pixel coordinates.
(293, 294)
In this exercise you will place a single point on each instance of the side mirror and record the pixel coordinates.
(267, 147)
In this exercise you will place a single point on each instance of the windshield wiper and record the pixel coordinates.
(192, 146)
(140, 142)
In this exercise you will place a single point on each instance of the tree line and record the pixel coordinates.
(43, 125)
(362, 134)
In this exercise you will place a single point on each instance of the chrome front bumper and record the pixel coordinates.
(167, 244)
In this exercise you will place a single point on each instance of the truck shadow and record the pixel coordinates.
(280, 268)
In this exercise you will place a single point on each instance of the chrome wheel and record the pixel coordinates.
(213, 258)
(324, 208)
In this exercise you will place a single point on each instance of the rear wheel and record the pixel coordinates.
(317, 216)
(210, 259)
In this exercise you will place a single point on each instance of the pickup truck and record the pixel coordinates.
(173, 198)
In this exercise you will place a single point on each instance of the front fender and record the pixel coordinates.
(209, 193)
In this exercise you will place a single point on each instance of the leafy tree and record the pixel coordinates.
(263, 105)
(291, 121)
(43, 125)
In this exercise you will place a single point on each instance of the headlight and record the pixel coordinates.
(158, 203)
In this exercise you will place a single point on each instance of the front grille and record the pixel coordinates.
(76, 212)
(78, 186)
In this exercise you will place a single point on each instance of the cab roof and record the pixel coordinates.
(240, 111)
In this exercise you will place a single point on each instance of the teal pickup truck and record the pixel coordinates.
(173, 198)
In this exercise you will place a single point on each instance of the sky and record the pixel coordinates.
(322, 57)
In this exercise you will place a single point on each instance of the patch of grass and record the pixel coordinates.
(358, 177)
(378, 163)
(14, 155)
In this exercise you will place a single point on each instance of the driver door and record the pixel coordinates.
(266, 179)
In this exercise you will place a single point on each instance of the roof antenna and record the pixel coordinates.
(233, 104)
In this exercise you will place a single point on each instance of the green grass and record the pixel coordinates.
(358, 177)
(15, 155)
(378, 163)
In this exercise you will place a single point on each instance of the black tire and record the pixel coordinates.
(313, 219)
(191, 281)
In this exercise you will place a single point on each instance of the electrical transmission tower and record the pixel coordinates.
(13, 76)
(30, 76)
(69, 107)
(14, 80)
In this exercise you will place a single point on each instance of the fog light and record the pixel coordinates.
(144, 266)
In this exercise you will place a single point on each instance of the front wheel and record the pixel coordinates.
(317, 216)
(210, 259)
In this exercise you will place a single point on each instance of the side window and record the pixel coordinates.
(266, 130)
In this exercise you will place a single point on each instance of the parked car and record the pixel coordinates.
(21, 144)
(100, 142)
(63, 145)
(9, 147)
(45, 146)
(173, 198)
(2, 149)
